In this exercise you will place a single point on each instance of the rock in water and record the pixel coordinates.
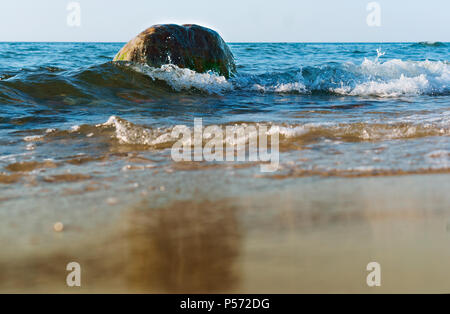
(187, 46)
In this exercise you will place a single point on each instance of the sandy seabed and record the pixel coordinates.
(234, 235)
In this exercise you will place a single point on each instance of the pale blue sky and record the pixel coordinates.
(236, 20)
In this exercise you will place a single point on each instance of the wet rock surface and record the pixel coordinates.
(186, 46)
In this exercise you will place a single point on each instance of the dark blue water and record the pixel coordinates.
(349, 98)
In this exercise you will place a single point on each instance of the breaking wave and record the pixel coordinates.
(125, 132)
(390, 78)
(186, 79)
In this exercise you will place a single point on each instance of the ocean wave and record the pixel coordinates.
(390, 78)
(429, 44)
(281, 88)
(129, 133)
(124, 132)
(396, 87)
(185, 79)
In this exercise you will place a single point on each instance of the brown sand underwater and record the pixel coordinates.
(294, 235)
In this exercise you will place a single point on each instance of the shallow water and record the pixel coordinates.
(363, 128)
(384, 106)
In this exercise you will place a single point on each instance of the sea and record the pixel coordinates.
(364, 138)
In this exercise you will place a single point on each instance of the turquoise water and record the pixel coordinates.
(338, 107)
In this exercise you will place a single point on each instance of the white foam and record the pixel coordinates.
(128, 133)
(282, 88)
(403, 86)
(397, 77)
(242, 133)
(185, 79)
(75, 128)
(289, 131)
(391, 78)
(33, 138)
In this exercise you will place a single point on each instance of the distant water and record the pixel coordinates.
(340, 108)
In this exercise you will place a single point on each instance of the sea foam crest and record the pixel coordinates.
(390, 78)
(129, 133)
(185, 79)
(406, 86)
(370, 78)
(396, 78)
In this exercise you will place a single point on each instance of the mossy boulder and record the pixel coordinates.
(187, 46)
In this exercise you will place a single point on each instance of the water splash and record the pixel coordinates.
(391, 78)
(186, 79)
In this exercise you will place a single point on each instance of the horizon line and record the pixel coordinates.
(240, 42)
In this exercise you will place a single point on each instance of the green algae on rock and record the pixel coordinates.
(186, 46)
